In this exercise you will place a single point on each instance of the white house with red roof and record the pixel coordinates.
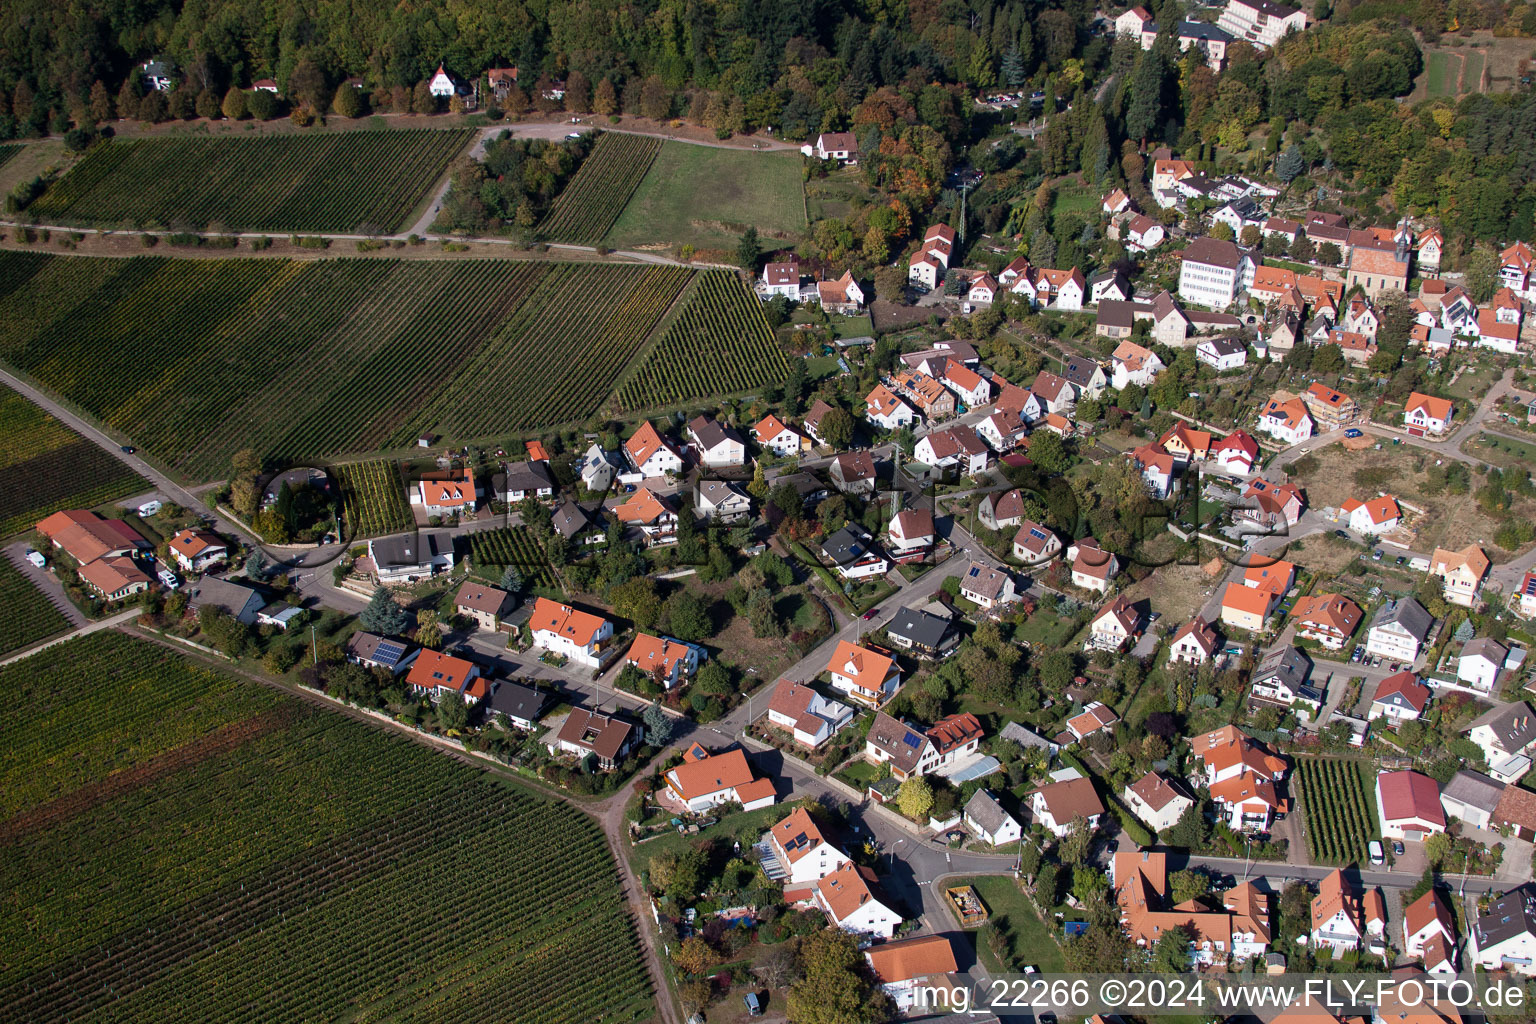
(958, 448)
(805, 714)
(842, 295)
(925, 270)
(435, 673)
(1194, 643)
(1157, 801)
(580, 636)
(885, 410)
(1286, 420)
(1060, 289)
(851, 900)
(1408, 805)
(1241, 774)
(1400, 697)
(1496, 334)
(1517, 270)
(1156, 468)
(982, 290)
(1237, 453)
(839, 146)
(664, 659)
(651, 454)
(1033, 543)
(446, 493)
(1373, 516)
(1429, 932)
(869, 676)
(801, 850)
(1003, 431)
(969, 386)
(1095, 717)
(197, 550)
(1133, 364)
(442, 84)
(1426, 414)
(910, 535)
(773, 435)
(1269, 505)
(1092, 566)
(705, 781)
(781, 279)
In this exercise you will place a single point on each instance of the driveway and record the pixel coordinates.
(46, 582)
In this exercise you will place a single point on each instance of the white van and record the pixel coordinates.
(36, 559)
(169, 579)
(150, 508)
(1377, 856)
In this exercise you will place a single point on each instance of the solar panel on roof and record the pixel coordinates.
(389, 651)
(912, 741)
(1038, 535)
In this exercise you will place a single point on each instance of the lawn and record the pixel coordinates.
(1501, 450)
(1472, 73)
(706, 197)
(746, 827)
(1046, 630)
(1471, 384)
(174, 834)
(860, 774)
(1015, 913)
(1072, 196)
(1442, 70)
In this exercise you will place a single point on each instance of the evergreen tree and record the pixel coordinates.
(1145, 88)
(748, 250)
(658, 726)
(1290, 163)
(1014, 74)
(383, 615)
(511, 580)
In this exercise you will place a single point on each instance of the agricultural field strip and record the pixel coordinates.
(45, 466)
(1339, 813)
(211, 892)
(306, 183)
(512, 545)
(26, 613)
(375, 499)
(603, 184)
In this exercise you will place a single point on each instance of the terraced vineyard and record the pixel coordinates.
(374, 500)
(235, 854)
(337, 182)
(494, 550)
(26, 614)
(6, 152)
(45, 466)
(1341, 816)
(718, 344)
(595, 197)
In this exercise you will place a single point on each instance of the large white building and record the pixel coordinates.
(1262, 23)
(1213, 272)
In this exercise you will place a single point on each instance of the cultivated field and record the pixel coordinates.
(491, 551)
(45, 467)
(197, 359)
(183, 846)
(717, 345)
(6, 152)
(588, 206)
(340, 182)
(374, 501)
(1340, 809)
(26, 615)
(707, 197)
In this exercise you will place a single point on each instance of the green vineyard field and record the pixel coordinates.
(588, 206)
(720, 343)
(45, 466)
(197, 359)
(8, 151)
(236, 855)
(26, 615)
(375, 501)
(494, 550)
(1340, 810)
(345, 181)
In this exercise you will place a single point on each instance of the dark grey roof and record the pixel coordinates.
(1244, 207)
(516, 700)
(1406, 613)
(240, 601)
(381, 650)
(1286, 665)
(919, 627)
(986, 811)
(1026, 737)
(1510, 915)
(570, 519)
(1473, 789)
(524, 476)
(1226, 346)
(1215, 252)
(848, 545)
(1487, 647)
(160, 68)
(1113, 313)
(1203, 30)
(804, 484)
(409, 549)
(710, 433)
(1514, 725)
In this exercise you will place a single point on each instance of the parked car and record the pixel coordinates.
(170, 579)
(1402, 559)
(129, 449)
(1353, 432)
(1397, 848)
(754, 1004)
(1376, 555)
(1377, 857)
(871, 614)
(1341, 534)
(36, 559)
(150, 508)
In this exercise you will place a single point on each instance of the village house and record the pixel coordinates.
(720, 501)
(1378, 270)
(981, 290)
(482, 604)
(854, 553)
(715, 444)
(842, 296)
(1185, 443)
(1086, 377)
(704, 781)
(1115, 624)
(985, 587)
(1286, 420)
(1331, 409)
(956, 451)
(579, 636)
(1222, 354)
(1281, 675)
(1194, 643)
(1058, 803)
(805, 714)
(1373, 517)
(1213, 272)
(1461, 573)
(969, 387)
(931, 398)
(1344, 918)
(198, 550)
(1473, 797)
(800, 850)
(522, 480)
(651, 454)
(885, 410)
(781, 279)
(1426, 414)
(435, 674)
(1408, 805)
(1504, 733)
(517, 705)
(371, 650)
(1239, 929)
(950, 742)
(1270, 506)
(608, 739)
(1429, 932)
(114, 578)
(987, 821)
(1095, 717)
(1092, 567)
(1479, 663)
(1110, 284)
(1132, 364)
(851, 900)
(1399, 630)
(1236, 453)
(1033, 544)
(573, 523)
(839, 146)
(868, 675)
(1241, 774)
(654, 516)
(910, 536)
(853, 473)
(664, 660)
(1504, 938)
(773, 435)
(925, 271)
(598, 468)
(1156, 467)
(87, 537)
(1157, 801)
(923, 632)
(1003, 431)
(406, 558)
(1054, 393)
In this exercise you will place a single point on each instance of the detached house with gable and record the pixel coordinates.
(805, 714)
(868, 675)
(1426, 414)
(717, 445)
(579, 636)
(446, 494)
(1344, 918)
(800, 850)
(651, 454)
